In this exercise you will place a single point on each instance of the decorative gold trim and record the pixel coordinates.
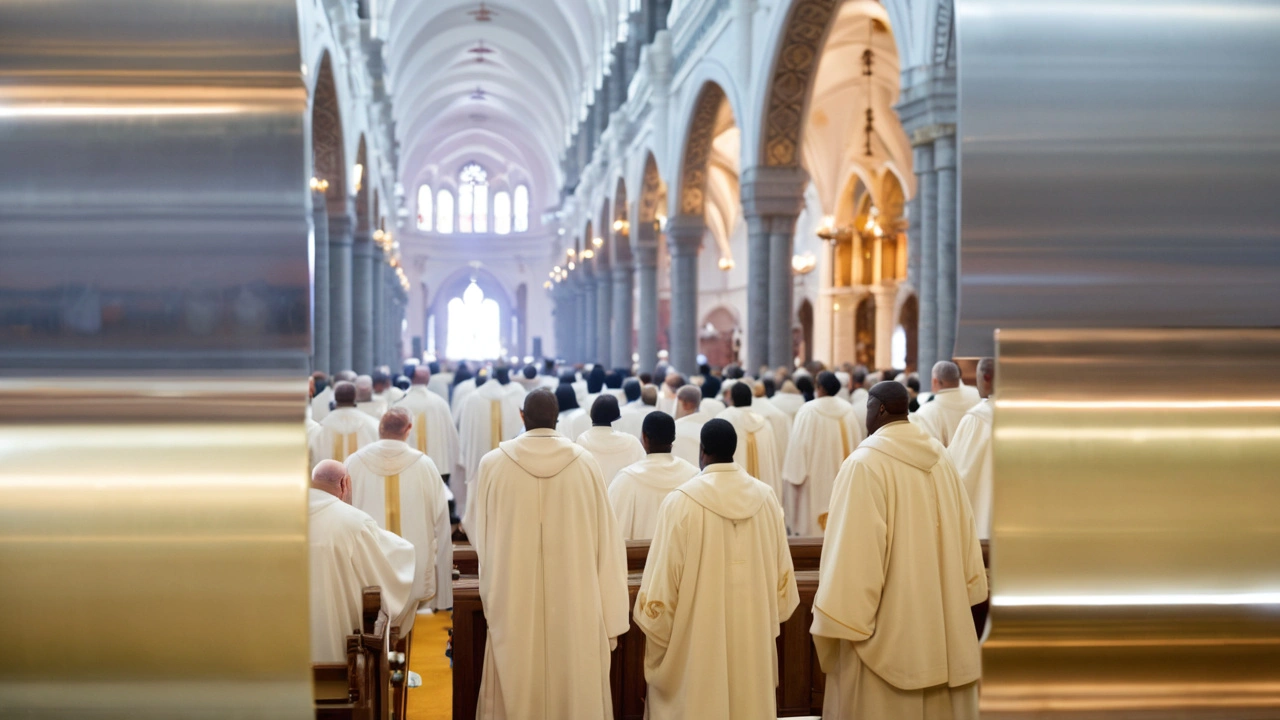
(393, 503)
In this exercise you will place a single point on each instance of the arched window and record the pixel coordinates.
(522, 208)
(502, 212)
(473, 199)
(474, 326)
(444, 212)
(425, 215)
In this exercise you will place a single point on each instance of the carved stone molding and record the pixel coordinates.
(793, 74)
(650, 192)
(693, 171)
(326, 135)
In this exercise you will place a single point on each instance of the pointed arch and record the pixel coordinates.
(711, 114)
(620, 229)
(328, 152)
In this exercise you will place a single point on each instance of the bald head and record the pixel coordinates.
(649, 395)
(946, 375)
(887, 402)
(758, 389)
(345, 376)
(689, 398)
(986, 376)
(344, 394)
(421, 375)
(540, 410)
(395, 424)
(364, 388)
(331, 477)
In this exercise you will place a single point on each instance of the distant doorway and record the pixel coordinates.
(475, 329)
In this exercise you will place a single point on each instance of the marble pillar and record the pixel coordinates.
(362, 294)
(944, 163)
(684, 238)
(590, 316)
(647, 299)
(579, 319)
(771, 200)
(604, 315)
(623, 315)
(341, 226)
(320, 284)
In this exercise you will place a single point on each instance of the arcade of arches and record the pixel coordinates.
(766, 185)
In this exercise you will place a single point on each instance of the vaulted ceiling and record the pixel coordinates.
(545, 59)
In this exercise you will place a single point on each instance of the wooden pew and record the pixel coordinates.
(801, 682)
(805, 555)
(361, 688)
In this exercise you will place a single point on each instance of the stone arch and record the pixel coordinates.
(453, 286)
(328, 152)
(790, 84)
(702, 130)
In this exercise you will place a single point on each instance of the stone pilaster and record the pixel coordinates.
(927, 288)
(379, 269)
(684, 238)
(944, 162)
(590, 315)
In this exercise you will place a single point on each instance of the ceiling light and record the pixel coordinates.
(599, 241)
(588, 254)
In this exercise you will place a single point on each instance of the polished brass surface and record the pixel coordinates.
(154, 324)
(153, 212)
(1133, 562)
(1118, 165)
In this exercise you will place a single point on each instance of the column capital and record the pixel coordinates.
(936, 131)
(767, 190)
(944, 152)
(685, 233)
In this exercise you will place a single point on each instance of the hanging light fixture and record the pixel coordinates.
(868, 65)
(483, 14)
(318, 185)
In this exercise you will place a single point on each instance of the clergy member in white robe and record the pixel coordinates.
(638, 490)
(490, 416)
(433, 429)
(461, 392)
(970, 449)
(632, 414)
(788, 399)
(941, 416)
(826, 432)
(717, 586)
(440, 382)
(321, 395)
(365, 400)
(858, 397)
(349, 552)
(344, 430)
(403, 492)
(612, 449)
(668, 388)
(901, 568)
(572, 420)
(553, 575)
(778, 420)
(757, 451)
(689, 421)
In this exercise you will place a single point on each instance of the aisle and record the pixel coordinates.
(434, 700)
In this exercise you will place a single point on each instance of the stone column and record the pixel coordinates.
(590, 315)
(362, 294)
(623, 315)
(781, 291)
(579, 319)
(771, 198)
(886, 297)
(684, 239)
(927, 288)
(340, 248)
(604, 315)
(757, 292)
(378, 268)
(647, 312)
(320, 283)
(944, 163)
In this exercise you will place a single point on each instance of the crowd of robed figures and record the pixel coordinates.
(703, 470)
